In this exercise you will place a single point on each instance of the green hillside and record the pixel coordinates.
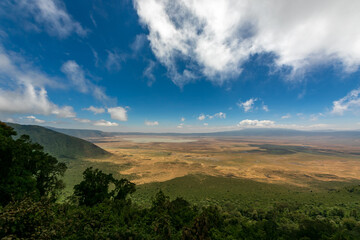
(206, 190)
(82, 133)
(58, 144)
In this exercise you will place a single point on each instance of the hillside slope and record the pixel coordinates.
(58, 144)
(82, 133)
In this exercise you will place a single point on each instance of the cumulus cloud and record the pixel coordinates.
(100, 123)
(201, 117)
(219, 36)
(315, 117)
(50, 15)
(118, 113)
(77, 76)
(265, 108)
(25, 88)
(82, 120)
(10, 120)
(104, 123)
(220, 115)
(247, 105)
(256, 123)
(34, 119)
(286, 116)
(149, 123)
(351, 102)
(95, 110)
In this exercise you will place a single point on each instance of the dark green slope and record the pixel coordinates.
(58, 144)
(206, 190)
(82, 133)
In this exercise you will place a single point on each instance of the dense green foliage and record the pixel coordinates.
(26, 169)
(206, 190)
(102, 207)
(60, 145)
(94, 188)
(176, 219)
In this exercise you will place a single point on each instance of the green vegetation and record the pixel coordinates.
(103, 207)
(82, 133)
(288, 149)
(206, 190)
(73, 175)
(95, 188)
(26, 169)
(60, 145)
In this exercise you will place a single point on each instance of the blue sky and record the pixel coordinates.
(180, 66)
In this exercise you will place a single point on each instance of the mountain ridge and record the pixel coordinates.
(58, 144)
(88, 133)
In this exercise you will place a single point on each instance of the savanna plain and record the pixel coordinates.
(252, 171)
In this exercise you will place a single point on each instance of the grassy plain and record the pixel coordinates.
(236, 170)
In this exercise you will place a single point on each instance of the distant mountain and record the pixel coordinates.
(281, 132)
(249, 132)
(58, 144)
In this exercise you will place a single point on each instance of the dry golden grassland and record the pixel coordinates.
(290, 160)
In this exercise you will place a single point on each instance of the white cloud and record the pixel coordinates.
(265, 108)
(286, 116)
(247, 105)
(75, 73)
(77, 76)
(93, 20)
(95, 110)
(34, 119)
(104, 123)
(256, 123)
(206, 124)
(118, 113)
(14, 68)
(149, 123)
(201, 117)
(351, 102)
(52, 15)
(181, 125)
(315, 117)
(219, 36)
(182, 119)
(82, 120)
(220, 115)
(148, 73)
(114, 60)
(100, 123)
(139, 43)
(28, 99)
(10, 120)
(300, 115)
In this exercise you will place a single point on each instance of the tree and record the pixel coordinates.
(94, 188)
(26, 169)
(123, 187)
